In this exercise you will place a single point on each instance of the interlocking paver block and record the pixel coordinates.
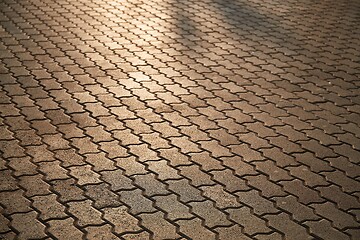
(195, 230)
(160, 227)
(64, 229)
(85, 213)
(100, 232)
(49, 207)
(123, 222)
(28, 226)
(211, 215)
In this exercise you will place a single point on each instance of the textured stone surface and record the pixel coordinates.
(169, 119)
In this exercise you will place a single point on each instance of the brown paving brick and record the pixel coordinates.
(305, 194)
(151, 185)
(137, 236)
(314, 163)
(21, 204)
(117, 180)
(100, 161)
(137, 202)
(34, 185)
(268, 189)
(343, 200)
(156, 223)
(234, 232)
(67, 190)
(231, 182)
(101, 195)
(324, 230)
(212, 216)
(130, 165)
(11, 149)
(84, 174)
(195, 175)
(195, 230)
(69, 157)
(8, 182)
(259, 204)
(121, 219)
(100, 232)
(298, 211)
(28, 226)
(64, 229)
(290, 229)
(338, 218)
(173, 208)
(346, 183)
(221, 198)
(310, 178)
(85, 213)
(251, 223)
(53, 170)
(49, 207)
(163, 170)
(113, 149)
(185, 190)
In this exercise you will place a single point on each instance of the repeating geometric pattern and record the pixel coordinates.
(164, 119)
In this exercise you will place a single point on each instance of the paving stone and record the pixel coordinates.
(194, 229)
(324, 230)
(268, 189)
(137, 202)
(100, 161)
(49, 207)
(349, 185)
(161, 228)
(234, 232)
(185, 190)
(338, 218)
(53, 170)
(130, 165)
(34, 185)
(310, 178)
(221, 198)
(123, 222)
(117, 180)
(196, 176)
(137, 236)
(64, 229)
(100, 232)
(28, 226)
(84, 174)
(11, 149)
(68, 190)
(259, 204)
(299, 212)
(305, 194)
(231, 182)
(173, 208)
(85, 213)
(343, 200)
(175, 157)
(151, 185)
(102, 196)
(251, 223)
(290, 229)
(212, 216)
(8, 182)
(163, 170)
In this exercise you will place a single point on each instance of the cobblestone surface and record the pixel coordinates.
(164, 119)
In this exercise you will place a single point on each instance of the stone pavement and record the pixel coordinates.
(179, 119)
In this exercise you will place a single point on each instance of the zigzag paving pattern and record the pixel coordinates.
(180, 119)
